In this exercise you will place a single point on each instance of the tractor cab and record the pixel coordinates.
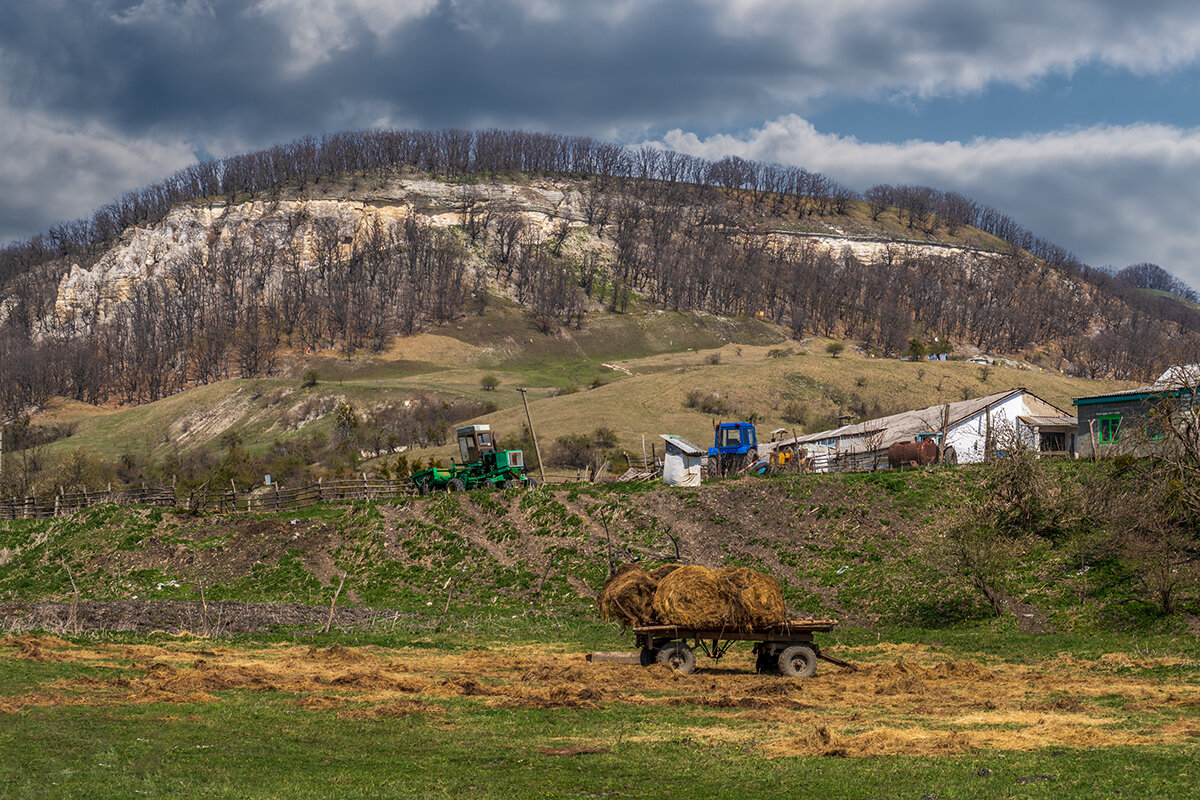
(733, 438)
(474, 441)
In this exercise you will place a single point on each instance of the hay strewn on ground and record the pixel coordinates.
(905, 699)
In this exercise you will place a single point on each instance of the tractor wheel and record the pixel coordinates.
(679, 656)
(648, 656)
(456, 485)
(531, 483)
(798, 661)
(423, 488)
(508, 484)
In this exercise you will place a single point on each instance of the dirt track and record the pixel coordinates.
(902, 700)
(183, 616)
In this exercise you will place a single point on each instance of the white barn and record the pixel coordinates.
(968, 426)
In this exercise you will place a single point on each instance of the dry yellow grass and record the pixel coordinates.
(902, 700)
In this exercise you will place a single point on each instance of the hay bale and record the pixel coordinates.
(754, 600)
(690, 597)
(628, 595)
(658, 573)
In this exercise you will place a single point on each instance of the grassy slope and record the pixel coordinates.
(663, 356)
(863, 547)
(254, 742)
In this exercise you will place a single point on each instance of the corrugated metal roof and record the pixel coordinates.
(881, 433)
(683, 444)
(1175, 378)
(1050, 422)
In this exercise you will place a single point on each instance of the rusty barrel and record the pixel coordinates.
(903, 454)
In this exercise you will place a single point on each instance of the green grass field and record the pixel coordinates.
(100, 718)
(455, 660)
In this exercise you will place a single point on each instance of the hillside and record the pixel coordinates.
(633, 374)
(259, 316)
(894, 548)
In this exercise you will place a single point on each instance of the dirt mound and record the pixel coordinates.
(628, 595)
(183, 616)
(755, 600)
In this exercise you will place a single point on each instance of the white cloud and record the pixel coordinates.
(316, 29)
(1111, 194)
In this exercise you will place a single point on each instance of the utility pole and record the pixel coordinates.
(537, 450)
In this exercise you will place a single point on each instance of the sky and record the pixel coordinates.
(1078, 118)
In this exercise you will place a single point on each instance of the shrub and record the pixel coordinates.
(574, 450)
(309, 379)
(834, 349)
(604, 438)
(489, 383)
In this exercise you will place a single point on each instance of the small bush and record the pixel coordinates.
(309, 379)
(713, 358)
(715, 405)
(489, 383)
(604, 438)
(834, 349)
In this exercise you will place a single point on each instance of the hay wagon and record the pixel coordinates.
(787, 648)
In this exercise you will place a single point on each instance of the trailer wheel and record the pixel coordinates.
(531, 483)
(455, 485)
(679, 656)
(798, 661)
(423, 488)
(648, 656)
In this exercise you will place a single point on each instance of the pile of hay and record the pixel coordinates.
(732, 598)
(754, 600)
(691, 597)
(628, 595)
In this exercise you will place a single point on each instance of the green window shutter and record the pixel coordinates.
(1108, 426)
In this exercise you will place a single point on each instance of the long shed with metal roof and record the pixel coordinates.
(971, 427)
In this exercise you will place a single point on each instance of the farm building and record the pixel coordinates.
(682, 462)
(971, 427)
(1132, 420)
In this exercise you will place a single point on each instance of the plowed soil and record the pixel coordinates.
(901, 700)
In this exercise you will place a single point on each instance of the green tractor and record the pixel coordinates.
(482, 467)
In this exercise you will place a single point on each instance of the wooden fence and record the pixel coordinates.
(263, 498)
(208, 499)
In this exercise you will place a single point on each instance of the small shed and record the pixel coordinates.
(681, 464)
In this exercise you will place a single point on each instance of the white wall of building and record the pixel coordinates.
(969, 437)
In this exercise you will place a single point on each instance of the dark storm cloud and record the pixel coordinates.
(262, 70)
(100, 97)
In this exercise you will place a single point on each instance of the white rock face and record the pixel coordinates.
(87, 297)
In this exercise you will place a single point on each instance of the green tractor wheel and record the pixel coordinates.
(456, 485)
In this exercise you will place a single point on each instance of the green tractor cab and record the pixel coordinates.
(482, 467)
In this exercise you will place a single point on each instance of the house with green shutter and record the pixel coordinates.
(1132, 420)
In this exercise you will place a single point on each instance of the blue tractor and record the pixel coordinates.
(735, 447)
